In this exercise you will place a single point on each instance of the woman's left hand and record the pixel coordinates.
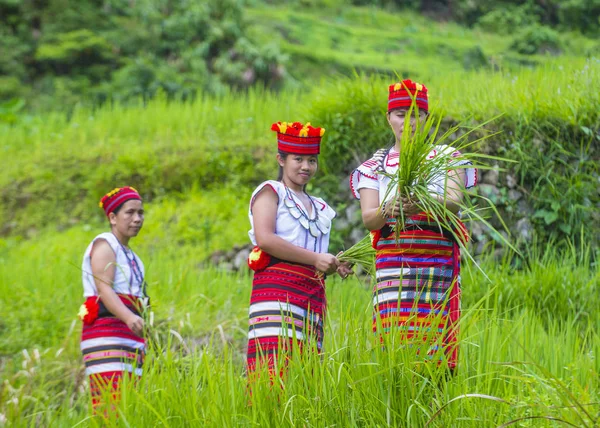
(345, 269)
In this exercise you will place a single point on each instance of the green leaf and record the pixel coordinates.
(566, 228)
(550, 217)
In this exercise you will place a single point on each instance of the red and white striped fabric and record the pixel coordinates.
(287, 308)
(110, 351)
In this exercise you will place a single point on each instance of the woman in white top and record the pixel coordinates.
(290, 231)
(417, 287)
(112, 340)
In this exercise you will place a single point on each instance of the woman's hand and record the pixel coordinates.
(344, 270)
(409, 207)
(398, 206)
(326, 263)
(392, 207)
(136, 324)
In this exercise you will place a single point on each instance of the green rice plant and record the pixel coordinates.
(417, 169)
(362, 253)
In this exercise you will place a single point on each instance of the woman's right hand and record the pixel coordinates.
(410, 207)
(136, 324)
(326, 263)
(398, 206)
(393, 207)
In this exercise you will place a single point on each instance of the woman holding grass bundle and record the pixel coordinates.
(290, 231)
(417, 286)
(112, 340)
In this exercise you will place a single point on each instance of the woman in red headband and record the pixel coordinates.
(112, 340)
(417, 287)
(290, 231)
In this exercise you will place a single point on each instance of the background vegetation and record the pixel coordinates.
(55, 53)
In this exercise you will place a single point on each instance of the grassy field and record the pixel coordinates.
(529, 347)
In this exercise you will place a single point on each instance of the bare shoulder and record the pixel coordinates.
(101, 249)
(266, 195)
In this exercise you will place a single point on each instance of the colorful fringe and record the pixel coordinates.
(111, 350)
(287, 307)
(417, 289)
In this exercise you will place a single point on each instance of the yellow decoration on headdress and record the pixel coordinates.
(109, 194)
(282, 127)
(397, 86)
(304, 131)
(322, 131)
(419, 86)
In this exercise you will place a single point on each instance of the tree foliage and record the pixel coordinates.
(122, 49)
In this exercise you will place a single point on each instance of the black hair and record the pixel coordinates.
(116, 210)
(283, 156)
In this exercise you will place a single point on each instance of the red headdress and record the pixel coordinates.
(297, 138)
(402, 95)
(116, 197)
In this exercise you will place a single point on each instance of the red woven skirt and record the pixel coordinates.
(417, 289)
(110, 351)
(287, 309)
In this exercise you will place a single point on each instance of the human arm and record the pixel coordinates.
(103, 260)
(264, 215)
(454, 193)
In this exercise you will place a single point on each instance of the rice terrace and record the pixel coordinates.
(427, 257)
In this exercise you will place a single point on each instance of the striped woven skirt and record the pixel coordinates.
(110, 351)
(287, 309)
(417, 289)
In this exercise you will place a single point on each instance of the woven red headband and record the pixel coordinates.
(401, 95)
(117, 197)
(297, 138)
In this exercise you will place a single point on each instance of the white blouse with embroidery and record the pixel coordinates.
(294, 224)
(368, 176)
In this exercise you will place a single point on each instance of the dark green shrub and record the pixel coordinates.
(582, 15)
(474, 58)
(508, 19)
(74, 52)
(536, 39)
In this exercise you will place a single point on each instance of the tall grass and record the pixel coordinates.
(524, 352)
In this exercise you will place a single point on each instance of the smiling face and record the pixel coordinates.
(397, 117)
(297, 169)
(129, 219)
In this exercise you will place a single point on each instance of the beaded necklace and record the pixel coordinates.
(135, 269)
(298, 212)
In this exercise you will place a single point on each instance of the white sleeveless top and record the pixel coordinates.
(293, 223)
(368, 176)
(125, 281)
